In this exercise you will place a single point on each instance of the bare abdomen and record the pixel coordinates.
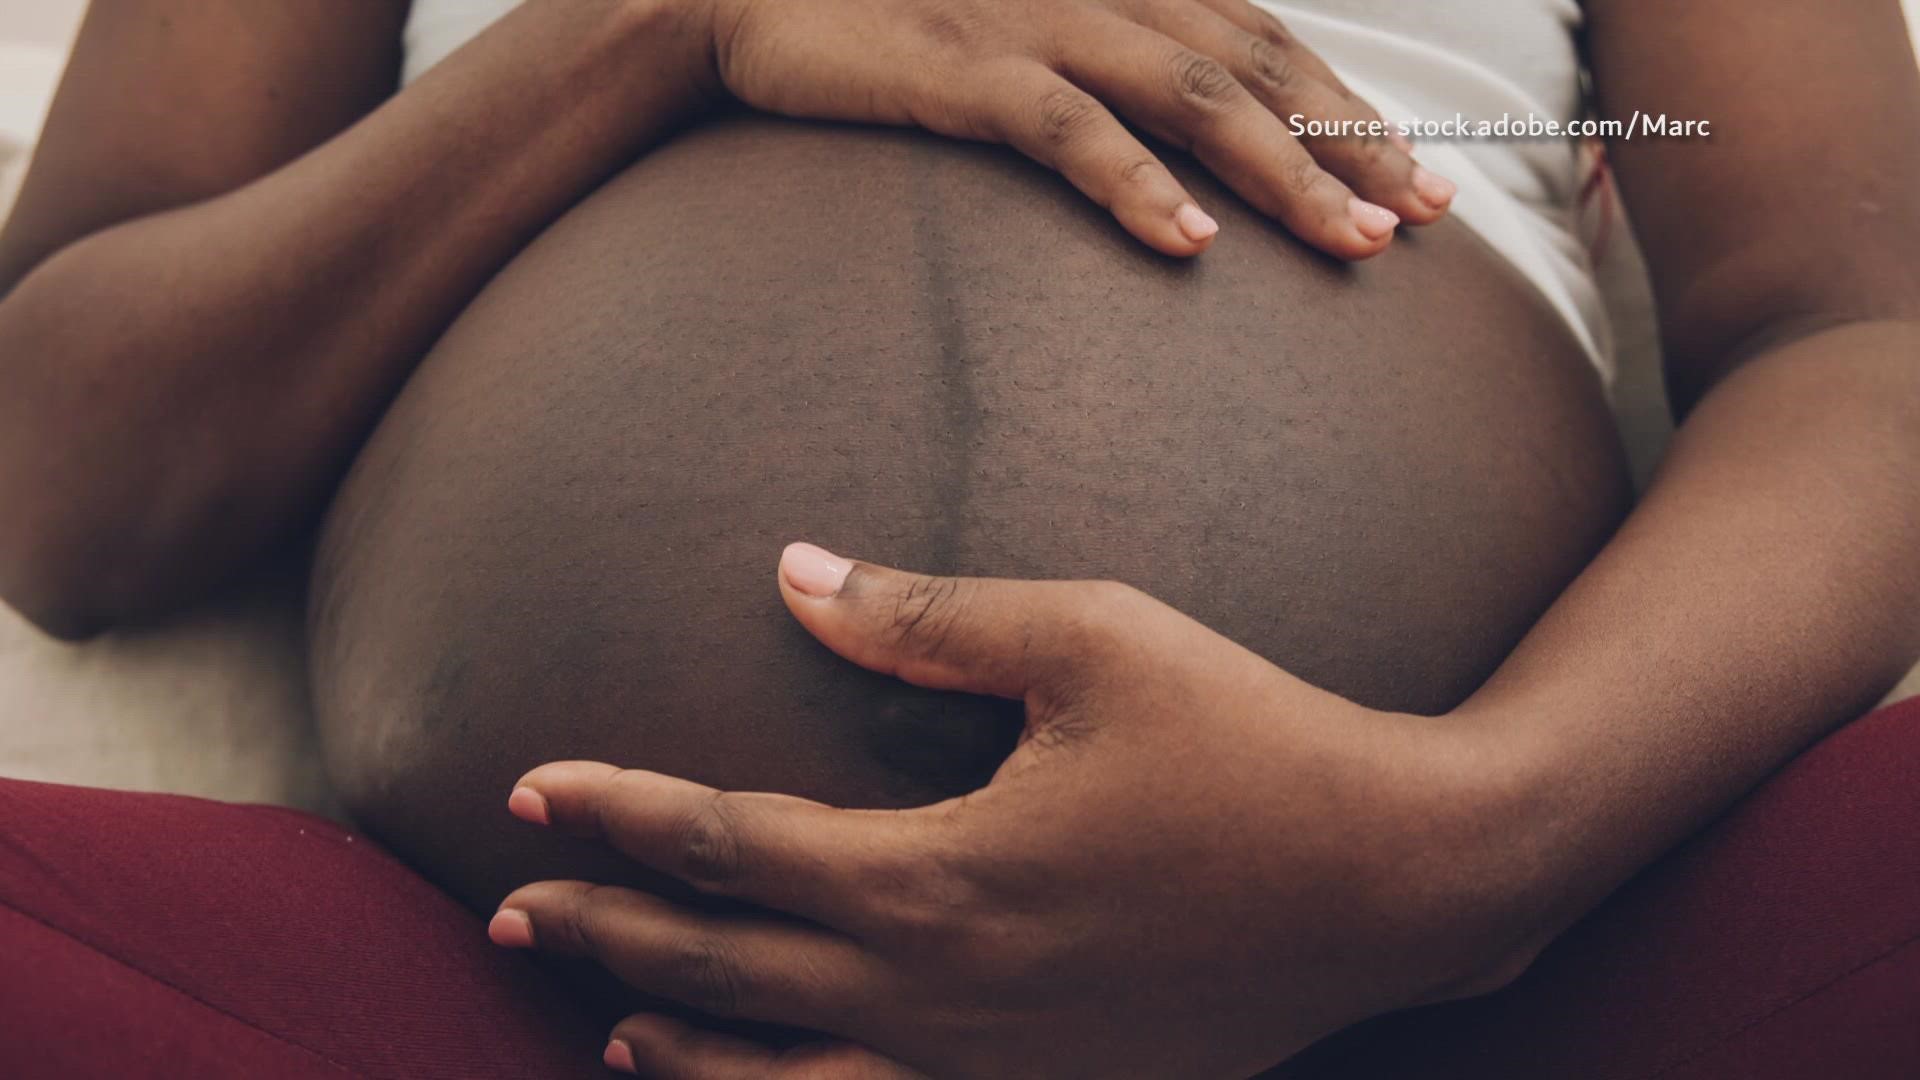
(561, 541)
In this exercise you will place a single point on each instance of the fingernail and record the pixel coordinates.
(1434, 190)
(1194, 223)
(1374, 222)
(619, 1057)
(814, 571)
(529, 805)
(511, 929)
(1399, 139)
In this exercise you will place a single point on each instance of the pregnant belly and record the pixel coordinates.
(560, 542)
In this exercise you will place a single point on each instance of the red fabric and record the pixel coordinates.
(1781, 943)
(151, 935)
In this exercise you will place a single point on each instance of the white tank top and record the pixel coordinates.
(1480, 60)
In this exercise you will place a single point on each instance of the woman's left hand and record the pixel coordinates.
(1193, 865)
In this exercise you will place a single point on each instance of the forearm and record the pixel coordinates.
(196, 380)
(1766, 590)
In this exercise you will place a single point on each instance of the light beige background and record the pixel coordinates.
(214, 703)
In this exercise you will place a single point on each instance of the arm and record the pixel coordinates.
(1194, 864)
(1768, 587)
(223, 270)
(195, 347)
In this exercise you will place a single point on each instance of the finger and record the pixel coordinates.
(1267, 27)
(1012, 639)
(1193, 101)
(750, 966)
(668, 1049)
(1050, 120)
(835, 867)
(1371, 163)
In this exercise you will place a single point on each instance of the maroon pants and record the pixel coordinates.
(152, 935)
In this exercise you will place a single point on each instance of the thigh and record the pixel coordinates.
(561, 541)
(155, 935)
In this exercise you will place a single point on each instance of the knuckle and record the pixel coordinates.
(610, 797)
(1372, 152)
(1271, 68)
(959, 120)
(1202, 84)
(1272, 30)
(1002, 957)
(709, 842)
(1300, 175)
(1140, 171)
(586, 917)
(933, 908)
(706, 974)
(925, 614)
(1065, 114)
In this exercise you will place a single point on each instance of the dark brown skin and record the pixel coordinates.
(1774, 567)
(1762, 592)
(557, 542)
(300, 292)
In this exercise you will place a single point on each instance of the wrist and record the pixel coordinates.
(1494, 880)
(664, 49)
(696, 29)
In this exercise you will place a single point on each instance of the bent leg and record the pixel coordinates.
(1783, 942)
(156, 935)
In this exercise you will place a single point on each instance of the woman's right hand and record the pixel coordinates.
(1047, 77)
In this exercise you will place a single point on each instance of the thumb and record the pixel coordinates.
(985, 635)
